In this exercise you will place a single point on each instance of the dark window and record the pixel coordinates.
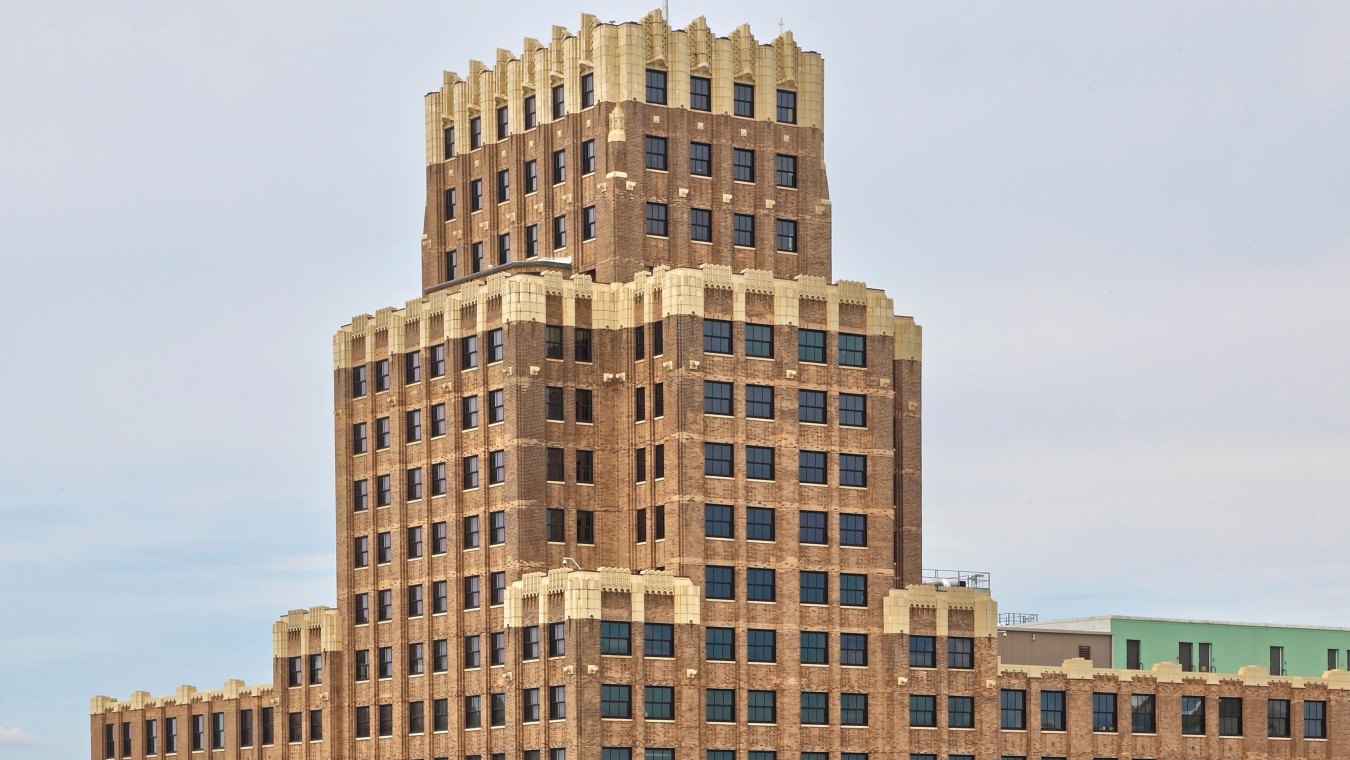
(742, 165)
(718, 521)
(468, 352)
(386, 605)
(658, 640)
(721, 705)
(720, 644)
(717, 460)
(1052, 711)
(559, 102)
(382, 433)
(439, 538)
(761, 706)
(853, 470)
(743, 230)
(497, 705)
(761, 645)
(412, 425)
(470, 472)
(361, 608)
(960, 713)
(1143, 713)
(295, 729)
(440, 655)
(439, 596)
(853, 410)
(359, 438)
(657, 218)
(559, 166)
(438, 420)
(853, 649)
(743, 96)
(815, 708)
(496, 588)
(759, 460)
(476, 132)
(700, 93)
(448, 141)
(557, 639)
(440, 715)
(922, 710)
(759, 524)
(476, 253)
(476, 195)
(588, 223)
(585, 474)
(785, 235)
(811, 467)
(1104, 712)
(1277, 718)
(295, 674)
(640, 524)
(922, 651)
(587, 89)
(853, 709)
(658, 345)
(416, 717)
(555, 470)
(759, 340)
(616, 637)
(656, 152)
(559, 232)
(852, 530)
(659, 457)
(787, 106)
(472, 592)
(451, 203)
(358, 382)
(557, 702)
(531, 176)
(785, 170)
(815, 648)
(1012, 708)
(1230, 716)
(814, 587)
(386, 720)
(1314, 719)
(553, 403)
(656, 86)
(759, 402)
(716, 336)
(616, 701)
(588, 157)
(384, 549)
(718, 582)
(960, 652)
(415, 658)
(700, 225)
(360, 495)
(584, 405)
(415, 600)
(503, 248)
(473, 711)
(468, 412)
(700, 158)
(852, 590)
(496, 467)
(503, 185)
(265, 721)
(659, 516)
(553, 342)
(384, 491)
(381, 375)
(659, 703)
(812, 528)
(852, 350)
(811, 346)
(759, 584)
(473, 652)
(496, 405)
(811, 406)
(362, 665)
(1193, 716)
(531, 112)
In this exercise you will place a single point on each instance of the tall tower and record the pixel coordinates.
(631, 440)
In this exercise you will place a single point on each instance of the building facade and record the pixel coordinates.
(633, 477)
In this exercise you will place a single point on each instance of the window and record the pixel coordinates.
(743, 230)
(616, 701)
(361, 608)
(1314, 719)
(700, 225)
(811, 467)
(386, 720)
(717, 521)
(451, 265)
(497, 644)
(217, 731)
(451, 203)
(785, 235)
(503, 185)
(588, 223)
(440, 655)
(922, 710)
(496, 467)
(761, 707)
(295, 674)
(415, 600)
(384, 548)
(359, 438)
(853, 709)
(615, 637)
(468, 352)
(531, 241)
(716, 397)
(468, 408)
(656, 86)
(439, 597)
(553, 403)
(439, 538)
(716, 336)
(476, 195)
(358, 382)
(787, 106)
(554, 467)
(503, 248)
(476, 252)
(295, 727)
(584, 406)
(497, 707)
(811, 346)
(381, 375)
(531, 112)
(414, 483)
(657, 214)
(1143, 714)
(960, 712)
(382, 433)
(658, 640)
(448, 138)
(496, 528)
(743, 98)
(759, 582)
(759, 524)
(699, 159)
(473, 654)
(785, 170)
(559, 167)
(587, 89)
(266, 727)
(852, 590)
(1192, 716)
(1277, 718)
(476, 132)
(759, 459)
(362, 665)
(588, 157)
(416, 717)
(437, 420)
(960, 652)
(470, 471)
(559, 102)
(1012, 705)
(553, 342)
(496, 588)
(559, 232)
(1230, 716)
(815, 708)
(815, 648)
(529, 705)
(852, 350)
(472, 592)
(585, 474)
(761, 645)
(496, 406)
(440, 715)
(717, 460)
(384, 491)
(853, 470)
(853, 649)
(495, 346)
(718, 582)
(659, 516)
(742, 165)
(700, 93)
(659, 455)
(1052, 711)
(557, 702)
(471, 532)
(582, 344)
(655, 152)
(386, 605)
(814, 587)
(415, 657)
(531, 176)
(1104, 712)
(922, 651)
(720, 644)
(811, 406)
(473, 711)
(721, 705)
(852, 410)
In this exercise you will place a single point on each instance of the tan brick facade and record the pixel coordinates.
(671, 485)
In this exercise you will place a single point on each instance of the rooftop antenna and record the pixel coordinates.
(665, 10)
(780, 26)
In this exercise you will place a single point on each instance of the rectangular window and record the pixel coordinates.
(381, 375)
(217, 730)
(503, 185)
(559, 166)
(265, 722)
(362, 665)
(557, 702)
(700, 93)
(852, 350)
(658, 640)
(853, 470)
(245, 730)
(659, 516)
(852, 530)
(559, 102)
(476, 195)
(554, 468)
(853, 649)
(815, 708)
(496, 588)
(439, 538)
(451, 265)
(717, 460)
(852, 590)
(716, 336)
(700, 159)
(416, 657)
(743, 230)
(742, 165)
(359, 438)
(529, 705)
(468, 418)
(759, 459)
(440, 655)
(448, 141)
(616, 701)
(616, 637)
(922, 651)
(473, 711)
(1192, 716)
(759, 584)
(497, 644)
(384, 490)
(588, 157)
(496, 528)
(811, 346)
(743, 98)
(639, 334)
(657, 219)
(718, 582)
(759, 340)
(659, 456)
(416, 717)
(1314, 719)
(658, 348)
(1104, 712)
(358, 382)
(496, 406)
(811, 467)
(1277, 718)
(588, 223)
(814, 587)
(469, 466)
(656, 86)
(1052, 711)
(476, 254)
(659, 703)
(585, 474)
(853, 709)
(361, 608)
(450, 201)
(439, 597)
(531, 176)
(468, 352)
(475, 132)
(815, 648)
(700, 225)
(496, 467)
(295, 727)
(811, 406)
(655, 152)
(761, 706)
(471, 534)
(553, 342)
(531, 241)
(1230, 716)
(717, 521)
(1143, 714)
(759, 524)
(497, 707)
(472, 592)
(295, 673)
(787, 106)
(922, 710)
(438, 420)
(386, 720)
(721, 705)
(584, 405)
(785, 170)
(553, 403)
(559, 232)
(1012, 708)
(382, 436)
(720, 644)
(473, 652)
(414, 484)
(960, 712)
(960, 652)
(503, 248)
(587, 89)
(785, 235)
(640, 464)
(640, 524)
(531, 112)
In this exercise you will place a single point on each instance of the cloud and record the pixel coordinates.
(17, 737)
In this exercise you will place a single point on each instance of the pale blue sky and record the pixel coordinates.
(1124, 228)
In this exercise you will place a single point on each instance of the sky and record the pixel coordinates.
(1124, 228)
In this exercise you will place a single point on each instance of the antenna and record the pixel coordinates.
(780, 26)
(665, 10)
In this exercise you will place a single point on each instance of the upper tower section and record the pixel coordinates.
(624, 147)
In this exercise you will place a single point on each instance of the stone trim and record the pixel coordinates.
(579, 594)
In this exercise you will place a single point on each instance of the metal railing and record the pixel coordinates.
(1016, 618)
(962, 578)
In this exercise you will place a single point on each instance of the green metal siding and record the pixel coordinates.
(1234, 645)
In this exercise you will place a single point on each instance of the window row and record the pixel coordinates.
(296, 670)
(719, 521)
(657, 155)
(494, 348)
(719, 461)
(658, 224)
(414, 548)
(759, 342)
(557, 102)
(478, 261)
(162, 735)
(742, 96)
(531, 710)
(759, 402)
(719, 582)
(436, 422)
(1143, 714)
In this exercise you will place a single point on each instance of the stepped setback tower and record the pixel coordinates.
(634, 478)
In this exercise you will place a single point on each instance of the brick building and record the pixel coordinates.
(633, 478)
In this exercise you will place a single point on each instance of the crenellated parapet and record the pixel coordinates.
(186, 694)
(567, 594)
(616, 57)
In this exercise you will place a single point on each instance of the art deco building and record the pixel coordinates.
(633, 477)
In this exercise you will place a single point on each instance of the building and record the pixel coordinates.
(633, 477)
(1200, 646)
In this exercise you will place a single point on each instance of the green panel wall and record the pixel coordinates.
(1234, 645)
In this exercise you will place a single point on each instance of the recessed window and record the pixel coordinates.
(503, 122)
(657, 216)
(787, 106)
(811, 406)
(503, 185)
(559, 102)
(700, 225)
(555, 473)
(718, 521)
(585, 474)
(759, 524)
(812, 527)
(440, 595)
(495, 346)
(743, 230)
(584, 405)
(531, 241)
(587, 89)
(559, 232)
(531, 112)
(655, 152)
(811, 467)
(448, 142)
(1230, 716)
(700, 159)
(472, 592)
(1052, 711)
(759, 401)
(1193, 716)
(785, 235)
(815, 648)
(852, 530)
(588, 157)
(1012, 709)
(960, 652)
(531, 176)
(761, 645)
(717, 397)
(1143, 715)
(853, 470)
(759, 584)
(717, 460)
(815, 708)
(852, 350)
(656, 86)
(470, 471)
(811, 346)
(381, 375)
(743, 99)
(476, 195)
(785, 170)
(659, 703)
(720, 644)
(759, 340)
(721, 705)
(1104, 712)
(476, 252)
(475, 132)
(468, 352)
(718, 582)
(588, 223)
(559, 166)
(852, 410)
(496, 405)
(658, 640)
(922, 710)
(700, 93)
(852, 590)
(814, 587)
(742, 165)
(760, 707)
(716, 336)
(759, 462)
